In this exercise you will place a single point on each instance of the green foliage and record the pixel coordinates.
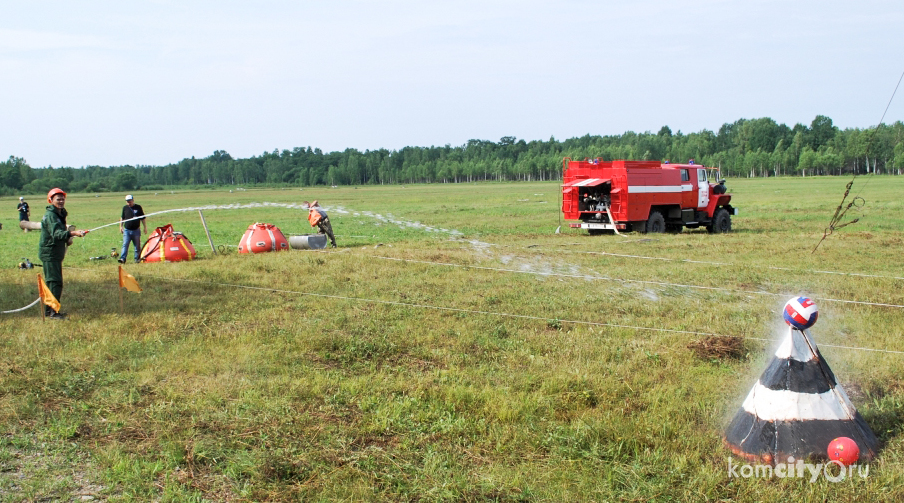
(126, 181)
(435, 355)
(747, 147)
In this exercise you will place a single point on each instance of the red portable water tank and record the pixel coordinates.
(260, 238)
(167, 245)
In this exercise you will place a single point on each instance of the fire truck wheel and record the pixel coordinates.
(721, 222)
(655, 224)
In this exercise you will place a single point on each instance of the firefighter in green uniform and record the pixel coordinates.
(55, 236)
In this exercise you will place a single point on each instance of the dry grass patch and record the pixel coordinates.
(719, 347)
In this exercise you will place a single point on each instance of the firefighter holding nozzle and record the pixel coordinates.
(55, 237)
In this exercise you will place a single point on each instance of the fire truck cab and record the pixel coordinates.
(643, 196)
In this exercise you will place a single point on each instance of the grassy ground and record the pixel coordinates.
(452, 348)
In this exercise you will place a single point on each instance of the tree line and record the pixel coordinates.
(744, 148)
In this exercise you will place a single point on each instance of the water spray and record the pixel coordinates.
(209, 207)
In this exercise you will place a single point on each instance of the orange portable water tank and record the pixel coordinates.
(167, 245)
(260, 238)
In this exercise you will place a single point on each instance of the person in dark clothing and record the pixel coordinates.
(24, 212)
(720, 189)
(317, 217)
(55, 236)
(129, 228)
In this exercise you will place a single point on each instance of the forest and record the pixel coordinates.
(745, 148)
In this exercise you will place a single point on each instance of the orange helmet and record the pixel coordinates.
(54, 192)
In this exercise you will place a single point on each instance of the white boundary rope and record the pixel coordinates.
(832, 346)
(21, 308)
(490, 313)
(659, 283)
(428, 306)
(689, 261)
(704, 262)
(407, 224)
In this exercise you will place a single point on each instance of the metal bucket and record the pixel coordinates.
(308, 242)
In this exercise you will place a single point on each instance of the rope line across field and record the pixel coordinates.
(481, 312)
(690, 261)
(659, 283)
(709, 262)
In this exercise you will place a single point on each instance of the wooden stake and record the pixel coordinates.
(208, 232)
(41, 304)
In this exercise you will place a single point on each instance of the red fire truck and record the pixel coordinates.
(643, 196)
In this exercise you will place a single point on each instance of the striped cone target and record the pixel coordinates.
(796, 408)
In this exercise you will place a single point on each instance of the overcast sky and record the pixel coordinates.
(152, 82)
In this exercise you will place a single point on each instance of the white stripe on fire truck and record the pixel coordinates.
(589, 181)
(642, 189)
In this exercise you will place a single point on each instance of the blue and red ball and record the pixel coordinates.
(800, 313)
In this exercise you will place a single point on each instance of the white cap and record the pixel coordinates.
(21, 198)
(129, 197)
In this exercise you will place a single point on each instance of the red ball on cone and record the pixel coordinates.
(844, 450)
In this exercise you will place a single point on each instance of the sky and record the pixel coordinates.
(151, 82)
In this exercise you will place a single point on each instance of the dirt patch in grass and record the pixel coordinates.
(719, 347)
(198, 479)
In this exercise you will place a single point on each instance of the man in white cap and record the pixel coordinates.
(24, 212)
(129, 225)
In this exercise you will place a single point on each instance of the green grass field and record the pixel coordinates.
(454, 347)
